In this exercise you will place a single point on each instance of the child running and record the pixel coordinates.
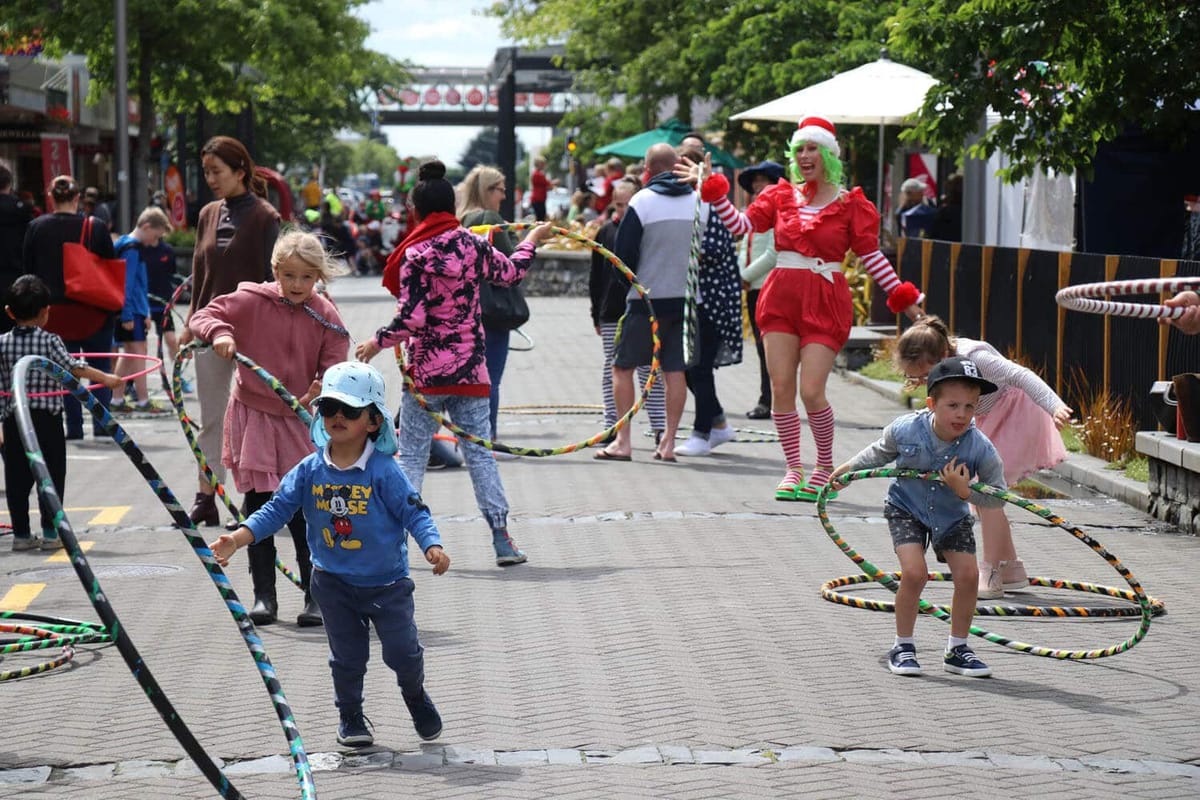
(29, 307)
(359, 508)
(294, 334)
(1021, 419)
(435, 275)
(944, 439)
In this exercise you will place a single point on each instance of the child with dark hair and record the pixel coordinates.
(941, 438)
(435, 275)
(29, 308)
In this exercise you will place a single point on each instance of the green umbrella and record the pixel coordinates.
(672, 132)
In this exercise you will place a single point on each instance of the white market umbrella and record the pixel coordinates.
(880, 93)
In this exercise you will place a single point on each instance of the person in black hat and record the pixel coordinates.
(941, 438)
(756, 258)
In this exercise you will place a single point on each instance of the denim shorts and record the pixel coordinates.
(907, 529)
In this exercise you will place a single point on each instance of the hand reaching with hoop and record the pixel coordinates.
(693, 173)
(1189, 322)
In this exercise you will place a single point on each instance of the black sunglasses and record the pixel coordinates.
(330, 408)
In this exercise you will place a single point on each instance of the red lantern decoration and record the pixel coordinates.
(493, 99)
(541, 99)
(432, 96)
(409, 97)
(453, 97)
(474, 97)
(522, 99)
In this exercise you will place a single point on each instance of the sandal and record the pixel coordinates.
(808, 494)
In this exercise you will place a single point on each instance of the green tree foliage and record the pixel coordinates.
(1064, 75)
(301, 64)
(373, 156)
(482, 149)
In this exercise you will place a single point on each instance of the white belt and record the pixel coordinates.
(789, 259)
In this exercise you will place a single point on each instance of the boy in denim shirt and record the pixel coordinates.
(941, 438)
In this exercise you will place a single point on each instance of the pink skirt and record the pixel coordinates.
(259, 448)
(1023, 433)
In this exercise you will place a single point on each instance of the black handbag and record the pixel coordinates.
(504, 307)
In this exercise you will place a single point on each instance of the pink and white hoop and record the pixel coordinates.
(1092, 297)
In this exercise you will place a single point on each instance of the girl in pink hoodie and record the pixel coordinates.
(435, 275)
(295, 334)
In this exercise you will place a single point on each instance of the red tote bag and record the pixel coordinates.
(90, 279)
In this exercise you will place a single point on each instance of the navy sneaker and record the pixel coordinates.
(354, 730)
(426, 719)
(963, 661)
(902, 660)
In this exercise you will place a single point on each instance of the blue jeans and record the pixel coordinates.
(99, 342)
(349, 612)
(496, 354)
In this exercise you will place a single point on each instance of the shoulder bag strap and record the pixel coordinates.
(85, 235)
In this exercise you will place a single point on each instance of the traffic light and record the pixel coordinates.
(571, 145)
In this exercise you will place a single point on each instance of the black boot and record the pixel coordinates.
(311, 615)
(262, 571)
(204, 510)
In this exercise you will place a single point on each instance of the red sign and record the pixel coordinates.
(409, 97)
(433, 96)
(453, 97)
(541, 99)
(474, 97)
(176, 201)
(56, 156)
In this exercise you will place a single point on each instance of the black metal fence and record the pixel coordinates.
(1006, 296)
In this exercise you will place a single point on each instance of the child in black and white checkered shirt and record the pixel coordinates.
(29, 307)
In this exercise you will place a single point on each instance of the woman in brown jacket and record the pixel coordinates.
(234, 238)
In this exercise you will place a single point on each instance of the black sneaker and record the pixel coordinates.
(963, 661)
(902, 660)
(354, 730)
(426, 719)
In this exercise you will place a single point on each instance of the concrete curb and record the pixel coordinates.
(1083, 469)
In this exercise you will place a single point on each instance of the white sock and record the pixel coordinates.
(905, 640)
(955, 641)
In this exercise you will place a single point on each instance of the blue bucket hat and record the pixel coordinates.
(357, 385)
(770, 169)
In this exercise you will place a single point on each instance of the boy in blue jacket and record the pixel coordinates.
(359, 508)
(131, 332)
(941, 438)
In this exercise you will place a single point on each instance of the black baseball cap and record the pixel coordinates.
(962, 368)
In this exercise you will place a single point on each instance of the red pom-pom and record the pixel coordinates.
(902, 297)
(716, 187)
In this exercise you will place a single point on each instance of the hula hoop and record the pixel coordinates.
(1092, 297)
(181, 358)
(600, 438)
(93, 386)
(888, 580)
(42, 634)
(829, 592)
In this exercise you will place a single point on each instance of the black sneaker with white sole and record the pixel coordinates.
(963, 661)
(902, 660)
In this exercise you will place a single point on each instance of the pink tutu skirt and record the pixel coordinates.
(1023, 433)
(259, 448)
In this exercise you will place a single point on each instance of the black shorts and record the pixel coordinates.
(138, 334)
(907, 529)
(634, 345)
(163, 322)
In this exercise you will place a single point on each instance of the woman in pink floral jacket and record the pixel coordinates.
(435, 275)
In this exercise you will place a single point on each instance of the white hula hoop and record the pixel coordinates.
(1091, 297)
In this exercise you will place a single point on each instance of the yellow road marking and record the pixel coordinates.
(108, 515)
(63, 557)
(20, 596)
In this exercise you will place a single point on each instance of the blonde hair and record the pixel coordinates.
(927, 339)
(473, 188)
(308, 249)
(155, 217)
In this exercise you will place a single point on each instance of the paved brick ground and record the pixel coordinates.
(669, 613)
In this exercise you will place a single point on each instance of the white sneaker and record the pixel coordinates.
(696, 445)
(719, 436)
(990, 587)
(1012, 575)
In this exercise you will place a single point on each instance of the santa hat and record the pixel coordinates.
(818, 131)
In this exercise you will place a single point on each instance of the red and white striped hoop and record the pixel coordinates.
(1092, 297)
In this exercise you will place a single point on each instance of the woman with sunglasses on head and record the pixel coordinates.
(435, 274)
(295, 334)
(478, 198)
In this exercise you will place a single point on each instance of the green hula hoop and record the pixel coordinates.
(888, 579)
(603, 436)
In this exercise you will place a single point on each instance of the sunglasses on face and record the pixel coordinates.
(330, 408)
